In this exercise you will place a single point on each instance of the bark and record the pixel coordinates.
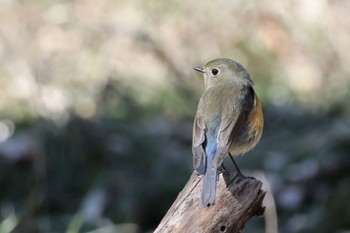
(238, 199)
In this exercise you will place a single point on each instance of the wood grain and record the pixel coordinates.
(238, 199)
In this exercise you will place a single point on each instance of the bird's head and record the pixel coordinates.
(224, 70)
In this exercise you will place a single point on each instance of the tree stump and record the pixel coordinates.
(238, 199)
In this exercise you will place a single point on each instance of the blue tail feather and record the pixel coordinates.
(209, 183)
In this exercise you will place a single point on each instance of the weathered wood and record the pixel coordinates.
(238, 199)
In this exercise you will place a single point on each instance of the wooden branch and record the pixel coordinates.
(238, 199)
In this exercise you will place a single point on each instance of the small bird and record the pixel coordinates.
(229, 120)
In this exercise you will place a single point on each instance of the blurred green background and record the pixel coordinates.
(97, 100)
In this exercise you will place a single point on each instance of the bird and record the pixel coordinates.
(229, 120)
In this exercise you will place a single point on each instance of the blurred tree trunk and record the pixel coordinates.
(238, 199)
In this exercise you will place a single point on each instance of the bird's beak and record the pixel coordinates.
(199, 69)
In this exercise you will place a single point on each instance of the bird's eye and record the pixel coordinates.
(214, 71)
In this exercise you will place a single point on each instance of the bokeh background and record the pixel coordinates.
(97, 100)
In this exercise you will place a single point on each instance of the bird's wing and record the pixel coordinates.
(198, 135)
(228, 129)
(231, 122)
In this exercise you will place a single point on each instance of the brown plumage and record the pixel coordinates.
(229, 119)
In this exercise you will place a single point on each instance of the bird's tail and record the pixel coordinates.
(209, 183)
